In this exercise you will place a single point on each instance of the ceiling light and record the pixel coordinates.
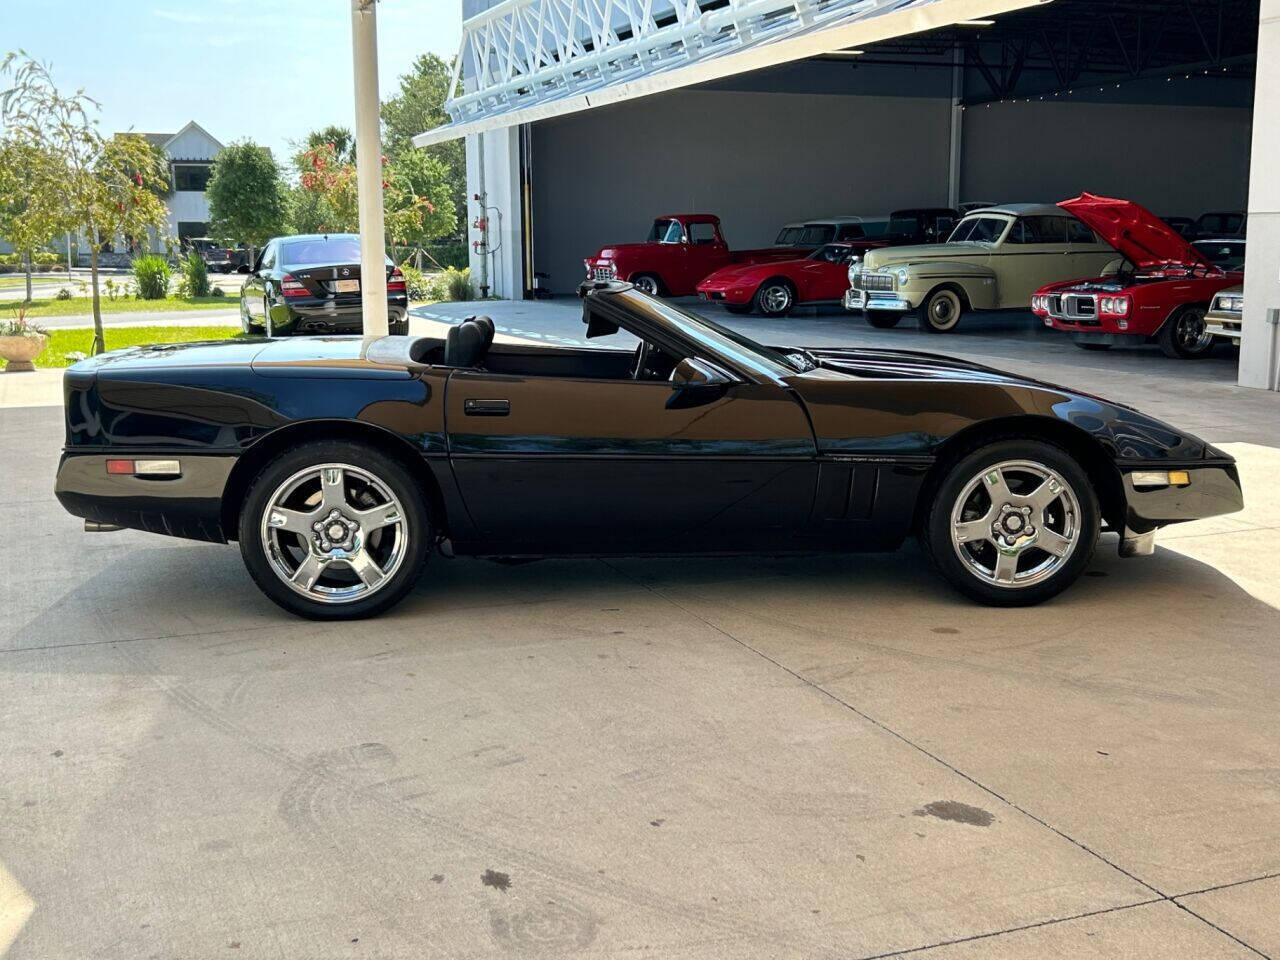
(846, 53)
(975, 23)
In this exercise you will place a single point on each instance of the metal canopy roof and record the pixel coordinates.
(526, 60)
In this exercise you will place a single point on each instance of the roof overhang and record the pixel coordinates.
(530, 60)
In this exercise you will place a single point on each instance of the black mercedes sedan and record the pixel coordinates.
(310, 283)
(340, 464)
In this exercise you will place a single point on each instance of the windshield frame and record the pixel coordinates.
(750, 359)
(983, 215)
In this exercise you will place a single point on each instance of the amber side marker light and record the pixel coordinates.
(1161, 478)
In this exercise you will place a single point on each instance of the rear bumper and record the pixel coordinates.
(1214, 489)
(313, 315)
(188, 505)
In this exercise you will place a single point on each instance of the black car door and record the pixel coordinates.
(562, 464)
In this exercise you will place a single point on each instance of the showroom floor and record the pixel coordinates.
(812, 757)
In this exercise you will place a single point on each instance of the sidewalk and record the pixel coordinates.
(36, 388)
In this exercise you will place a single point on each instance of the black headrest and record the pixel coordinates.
(465, 344)
(489, 329)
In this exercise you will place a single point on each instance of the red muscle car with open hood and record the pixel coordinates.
(774, 288)
(1161, 293)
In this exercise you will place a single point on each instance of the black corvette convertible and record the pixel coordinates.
(340, 463)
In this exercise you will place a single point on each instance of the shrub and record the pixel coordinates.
(195, 276)
(152, 275)
(451, 285)
(416, 283)
(217, 292)
(44, 258)
(63, 294)
(445, 255)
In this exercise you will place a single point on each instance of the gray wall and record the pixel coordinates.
(1176, 160)
(757, 160)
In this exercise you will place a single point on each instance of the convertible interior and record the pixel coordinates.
(470, 345)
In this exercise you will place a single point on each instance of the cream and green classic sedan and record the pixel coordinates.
(994, 259)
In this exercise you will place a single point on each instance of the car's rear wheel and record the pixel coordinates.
(775, 298)
(1185, 336)
(883, 319)
(941, 312)
(334, 530)
(1012, 523)
(647, 283)
(398, 328)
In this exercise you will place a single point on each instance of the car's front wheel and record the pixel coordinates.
(1185, 336)
(647, 283)
(775, 298)
(1012, 523)
(883, 319)
(334, 530)
(942, 310)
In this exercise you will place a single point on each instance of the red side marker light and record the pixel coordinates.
(120, 467)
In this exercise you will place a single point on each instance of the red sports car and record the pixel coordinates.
(774, 288)
(1162, 293)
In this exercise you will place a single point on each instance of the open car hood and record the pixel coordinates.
(1144, 239)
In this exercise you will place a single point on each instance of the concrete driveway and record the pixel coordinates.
(810, 757)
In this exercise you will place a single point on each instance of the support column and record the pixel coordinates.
(955, 164)
(501, 206)
(373, 251)
(1260, 338)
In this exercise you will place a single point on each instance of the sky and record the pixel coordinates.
(266, 70)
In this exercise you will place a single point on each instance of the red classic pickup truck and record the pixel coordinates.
(681, 250)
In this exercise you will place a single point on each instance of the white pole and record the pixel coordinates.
(373, 270)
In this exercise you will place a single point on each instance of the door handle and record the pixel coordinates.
(486, 408)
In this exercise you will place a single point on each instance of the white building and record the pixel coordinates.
(190, 152)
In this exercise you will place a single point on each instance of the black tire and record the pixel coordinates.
(774, 298)
(738, 307)
(398, 328)
(1005, 456)
(647, 283)
(1092, 346)
(883, 319)
(246, 322)
(942, 310)
(388, 471)
(1183, 336)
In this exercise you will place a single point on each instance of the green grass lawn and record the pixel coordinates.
(83, 306)
(62, 342)
(19, 280)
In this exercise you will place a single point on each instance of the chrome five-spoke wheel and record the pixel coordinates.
(1012, 523)
(334, 533)
(1015, 524)
(334, 530)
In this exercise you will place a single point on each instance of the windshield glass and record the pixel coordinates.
(1226, 254)
(666, 231)
(788, 236)
(978, 230)
(816, 234)
(743, 351)
(902, 226)
(320, 251)
(875, 228)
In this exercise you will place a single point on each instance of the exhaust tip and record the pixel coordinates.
(93, 526)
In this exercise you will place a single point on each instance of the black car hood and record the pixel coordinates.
(909, 365)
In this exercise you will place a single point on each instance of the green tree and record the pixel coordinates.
(247, 195)
(417, 107)
(341, 139)
(108, 185)
(31, 209)
(419, 200)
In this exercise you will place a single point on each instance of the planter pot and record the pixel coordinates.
(20, 351)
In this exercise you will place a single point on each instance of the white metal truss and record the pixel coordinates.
(528, 59)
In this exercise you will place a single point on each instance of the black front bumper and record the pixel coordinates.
(1214, 490)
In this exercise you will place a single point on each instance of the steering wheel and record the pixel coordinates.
(639, 365)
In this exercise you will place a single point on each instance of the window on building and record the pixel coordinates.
(191, 176)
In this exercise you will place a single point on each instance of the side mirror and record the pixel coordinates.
(696, 382)
(243, 268)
